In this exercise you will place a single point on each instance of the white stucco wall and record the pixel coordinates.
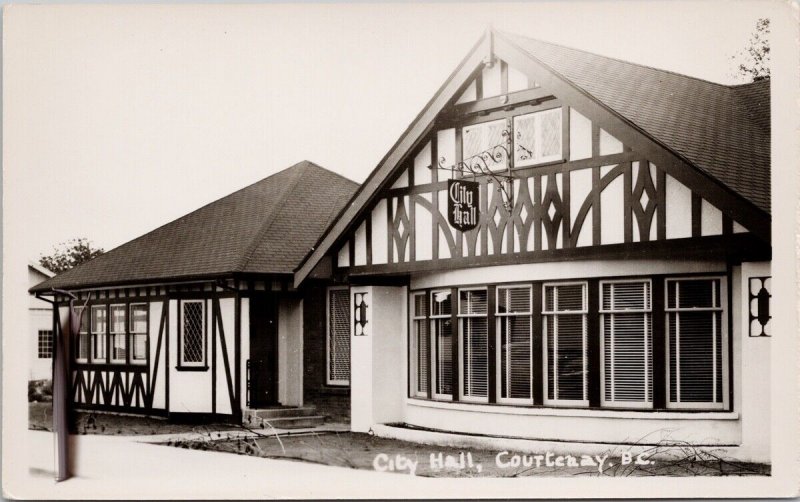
(290, 352)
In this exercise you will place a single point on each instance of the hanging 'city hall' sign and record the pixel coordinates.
(462, 204)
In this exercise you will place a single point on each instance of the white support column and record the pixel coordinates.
(377, 355)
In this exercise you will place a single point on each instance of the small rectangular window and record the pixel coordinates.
(138, 332)
(626, 344)
(515, 362)
(118, 349)
(420, 341)
(564, 318)
(82, 337)
(696, 343)
(486, 145)
(338, 336)
(45, 344)
(442, 330)
(473, 330)
(99, 328)
(193, 338)
(537, 138)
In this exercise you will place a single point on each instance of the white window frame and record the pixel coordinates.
(112, 335)
(103, 336)
(461, 345)
(546, 315)
(722, 301)
(412, 363)
(435, 345)
(538, 132)
(183, 362)
(328, 380)
(604, 401)
(501, 318)
(83, 334)
(133, 334)
(481, 125)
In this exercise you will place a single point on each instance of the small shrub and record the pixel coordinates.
(40, 391)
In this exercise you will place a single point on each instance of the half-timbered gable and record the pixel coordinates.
(561, 177)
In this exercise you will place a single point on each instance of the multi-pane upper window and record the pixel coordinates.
(45, 344)
(537, 137)
(485, 145)
(338, 336)
(515, 363)
(138, 332)
(82, 340)
(420, 341)
(117, 334)
(696, 344)
(99, 319)
(626, 344)
(564, 318)
(473, 330)
(192, 351)
(442, 330)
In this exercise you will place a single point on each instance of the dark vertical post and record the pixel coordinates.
(659, 363)
(729, 320)
(455, 334)
(627, 217)
(237, 344)
(661, 203)
(60, 392)
(214, 356)
(697, 209)
(492, 343)
(537, 347)
(593, 344)
(431, 343)
(596, 201)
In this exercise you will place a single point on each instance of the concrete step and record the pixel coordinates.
(294, 422)
(282, 412)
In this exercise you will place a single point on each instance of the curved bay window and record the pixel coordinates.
(582, 344)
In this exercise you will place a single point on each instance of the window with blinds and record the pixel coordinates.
(138, 330)
(442, 328)
(420, 340)
(473, 330)
(98, 333)
(696, 343)
(515, 366)
(338, 339)
(626, 344)
(82, 339)
(118, 351)
(564, 319)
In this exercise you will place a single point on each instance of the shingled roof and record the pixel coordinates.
(723, 130)
(257, 229)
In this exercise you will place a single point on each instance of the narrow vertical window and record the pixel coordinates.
(82, 337)
(473, 330)
(696, 343)
(193, 337)
(564, 318)
(626, 344)
(98, 330)
(45, 344)
(515, 363)
(138, 332)
(420, 341)
(442, 328)
(338, 339)
(118, 347)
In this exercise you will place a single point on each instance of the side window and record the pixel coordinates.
(138, 332)
(564, 318)
(99, 318)
(193, 339)
(118, 351)
(45, 344)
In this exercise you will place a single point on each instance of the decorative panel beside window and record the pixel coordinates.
(626, 344)
(696, 344)
(338, 339)
(442, 328)
(138, 331)
(515, 363)
(537, 138)
(473, 330)
(98, 333)
(193, 353)
(118, 351)
(564, 318)
(420, 341)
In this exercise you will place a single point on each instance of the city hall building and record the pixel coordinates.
(561, 246)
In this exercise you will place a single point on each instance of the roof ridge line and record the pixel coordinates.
(672, 72)
(269, 220)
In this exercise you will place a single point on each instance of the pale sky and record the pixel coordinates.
(120, 119)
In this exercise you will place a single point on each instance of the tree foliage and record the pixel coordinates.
(752, 63)
(67, 255)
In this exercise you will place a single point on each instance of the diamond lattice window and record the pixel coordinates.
(338, 336)
(192, 348)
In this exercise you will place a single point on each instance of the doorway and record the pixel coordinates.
(263, 363)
